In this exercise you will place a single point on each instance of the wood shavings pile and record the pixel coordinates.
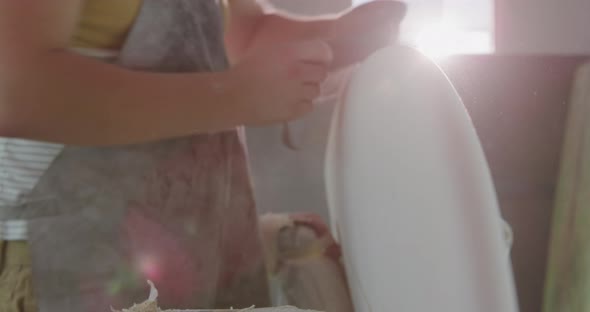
(151, 305)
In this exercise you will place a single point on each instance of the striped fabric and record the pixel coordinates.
(23, 162)
(13, 230)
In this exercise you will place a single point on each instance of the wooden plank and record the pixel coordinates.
(568, 275)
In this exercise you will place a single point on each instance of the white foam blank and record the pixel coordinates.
(411, 196)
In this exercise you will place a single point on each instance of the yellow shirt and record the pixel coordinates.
(104, 24)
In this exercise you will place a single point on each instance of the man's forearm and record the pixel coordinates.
(70, 99)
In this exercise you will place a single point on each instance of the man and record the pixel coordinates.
(107, 105)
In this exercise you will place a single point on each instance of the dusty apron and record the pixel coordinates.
(179, 212)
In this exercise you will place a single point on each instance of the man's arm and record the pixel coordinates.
(47, 93)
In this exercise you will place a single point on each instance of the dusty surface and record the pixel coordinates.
(151, 305)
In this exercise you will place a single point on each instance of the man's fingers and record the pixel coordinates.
(315, 51)
(310, 92)
(310, 73)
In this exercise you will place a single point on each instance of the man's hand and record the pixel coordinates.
(277, 84)
(364, 30)
(353, 36)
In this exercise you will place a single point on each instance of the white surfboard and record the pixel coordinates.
(411, 197)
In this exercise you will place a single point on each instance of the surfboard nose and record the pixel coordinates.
(410, 193)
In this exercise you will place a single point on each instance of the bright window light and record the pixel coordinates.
(440, 28)
(443, 39)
